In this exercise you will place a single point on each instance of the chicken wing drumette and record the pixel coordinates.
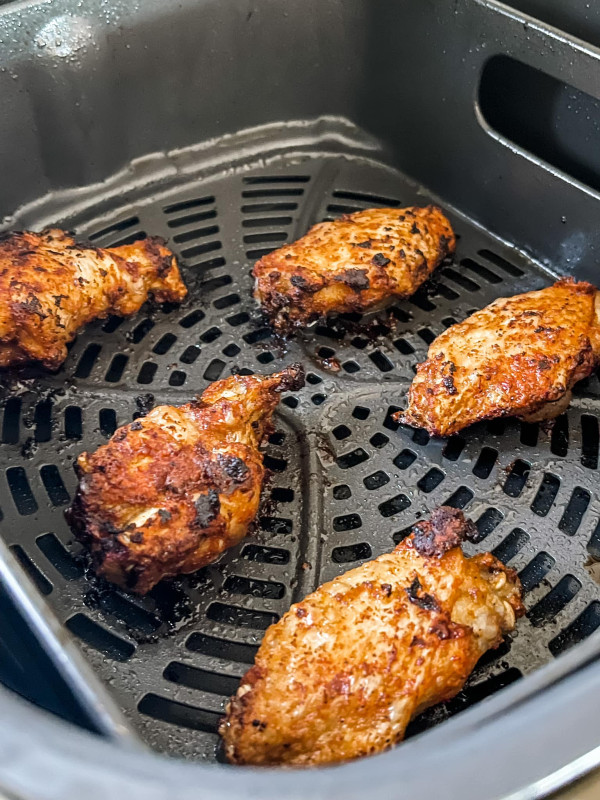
(345, 670)
(518, 356)
(170, 492)
(50, 287)
(352, 264)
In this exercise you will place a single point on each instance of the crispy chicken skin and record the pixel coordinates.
(171, 491)
(352, 264)
(52, 286)
(518, 356)
(344, 671)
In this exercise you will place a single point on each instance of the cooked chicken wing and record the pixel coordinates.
(50, 287)
(518, 356)
(344, 671)
(352, 264)
(170, 492)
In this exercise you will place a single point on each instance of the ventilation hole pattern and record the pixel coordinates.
(527, 486)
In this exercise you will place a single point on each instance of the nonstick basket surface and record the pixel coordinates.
(345, 481)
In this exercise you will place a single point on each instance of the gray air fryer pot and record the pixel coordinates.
(229, 127)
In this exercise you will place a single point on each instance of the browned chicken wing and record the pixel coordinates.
(352, 264)
(50, 287)
(344, 671)
(170, 492)
(520, 355)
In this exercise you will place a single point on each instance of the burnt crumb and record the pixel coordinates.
(402, 253)
(137, 537)
(164, 515)
(305, 285)
(386, 589)
(301, 612)
(233, 467)
(446, 528)
(110, 544)
(107, 527)
(257, 723)
(33, 306)
(136, 426)
(425, 601)
(444, 628)
(544, 364)
(207, 507)
(354, 278)
(415, 229)
(292, 378)
(29, 448)
(444, 245)
(366, 244)
(145, 403)
(379, 260)
(58, 298)
(448, 382)
(299, 281)
(417, 641)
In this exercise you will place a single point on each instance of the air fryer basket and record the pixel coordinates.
(167, 120)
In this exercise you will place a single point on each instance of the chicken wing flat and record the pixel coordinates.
(518, 356)
(352, 264)
(170, 492)
(344, 671)
(50, 287)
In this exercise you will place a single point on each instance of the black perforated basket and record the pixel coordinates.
(229, 128)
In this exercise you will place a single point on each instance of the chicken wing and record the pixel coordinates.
(50, 287)
(171, 491)
(344, 671)
(352, 264)
(519, 355)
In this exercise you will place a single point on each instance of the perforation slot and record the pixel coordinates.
(511, 545)
(237, 584)
(54, 485)
(537, 569)
(37, 576)
(553, 603)
(176, 713)
(99, 638)
(394, 506)
(221, 648)
(348, 554)
(517, 478)
(204, 681)
(21, 491)
(546, 494)
(241, 617)
(58, 555)
(573, 513)
(485, 462)
(581, 627)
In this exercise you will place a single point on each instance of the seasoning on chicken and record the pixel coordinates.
(518, 356)
(171, 491)
(50, 287)
(344, 671)
(352, 264)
